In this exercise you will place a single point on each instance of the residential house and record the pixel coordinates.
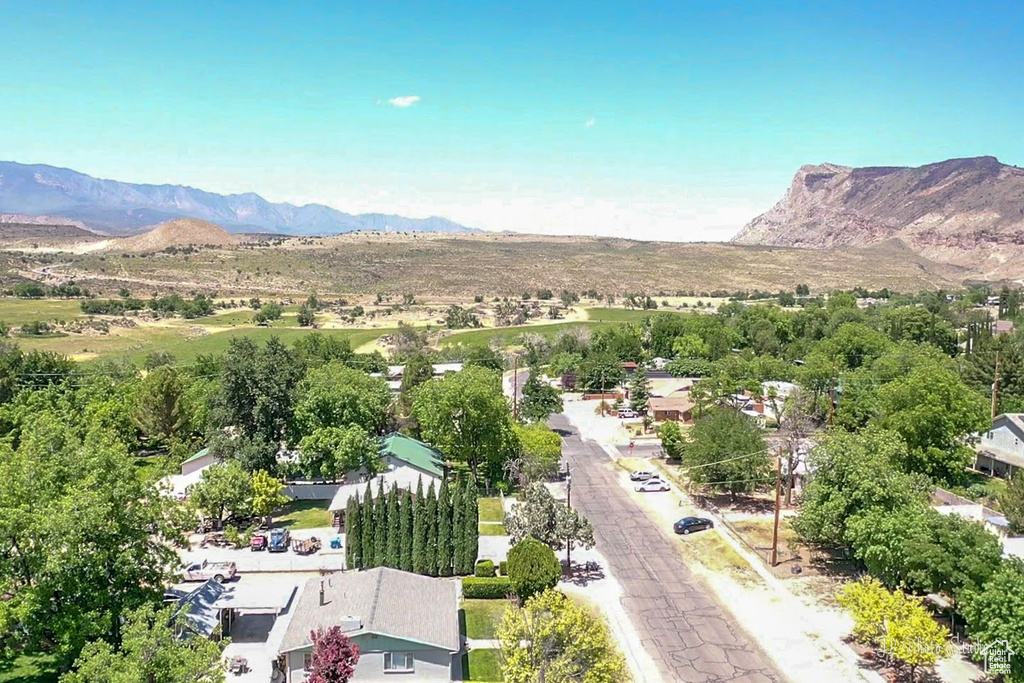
(407, 462)
(1000, 451)
(178, 485)
(199, 461)
(677, 407)
(1000, 327)
(394, 373)
(406, 625)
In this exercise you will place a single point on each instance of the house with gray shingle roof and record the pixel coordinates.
(405, 625)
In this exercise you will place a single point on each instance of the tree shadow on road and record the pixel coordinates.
(583, 574)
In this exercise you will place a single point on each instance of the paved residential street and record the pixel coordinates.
(689, 635)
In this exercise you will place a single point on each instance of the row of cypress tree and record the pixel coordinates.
(435, 534)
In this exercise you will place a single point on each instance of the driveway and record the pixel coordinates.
(689, 635)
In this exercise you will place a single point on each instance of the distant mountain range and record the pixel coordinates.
(966, 212)
(119, 208)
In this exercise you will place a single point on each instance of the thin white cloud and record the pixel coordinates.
(404, 102)
(590, 122)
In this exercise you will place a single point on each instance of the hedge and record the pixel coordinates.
(476, 588)
(484, 569)
(503, 568)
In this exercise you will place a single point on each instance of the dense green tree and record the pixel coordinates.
(552, 639)
(224, 487)
(257, 385)
(393, 554)
(639, 390)
(317, 348)
(405, 558)
(336, 395)
(482, 356)
(1011, 502)
(306, 317)
(81, 551)
(540, 399)
(671, 437)
(532, 568)
(149, 652)
(380, 526)
(267, 494)
(368, 525)
(430, 549)
(471, 526)
(726, 452)
(353, 534)
(332, 452)
(419, 531)
(600, 371)
(853, 475)
(418, 370)
(465, 416)
(458, 525)
(541, 452)
(159, 409)
(445, 545)
(996, 613)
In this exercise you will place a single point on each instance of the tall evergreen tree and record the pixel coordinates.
(366, 527)
(380, 529)
(431, 547)
(405, 562)
(353, 539)
(419, 531)
(471, 529)
(458, 515)
(444, 531)
(394, 540)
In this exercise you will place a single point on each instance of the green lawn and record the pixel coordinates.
(18, 311)
(303, 514)
(29, 669)
(491, 529)
(482, 665)
(512, 335)
(151, 467)
(625, 315)
(491, 510)
(483, 617)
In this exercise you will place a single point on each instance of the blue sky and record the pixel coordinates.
(676, 120)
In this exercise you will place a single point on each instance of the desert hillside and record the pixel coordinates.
(177, 233)
(968, 212)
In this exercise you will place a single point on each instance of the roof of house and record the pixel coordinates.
(386, 602)
(198, 611)
(197, 456)
(682, 404)
(1003, 326)
(416, 453)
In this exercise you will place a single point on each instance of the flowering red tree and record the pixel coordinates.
(334, 657)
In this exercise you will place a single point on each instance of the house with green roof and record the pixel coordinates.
(407, 462)
(199, 461)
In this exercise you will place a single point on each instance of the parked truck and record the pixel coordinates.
(206, 570)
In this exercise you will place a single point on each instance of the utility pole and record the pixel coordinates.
(515, 387)
(602, 393)
(568, 504)
(995, 389)
(778, 491)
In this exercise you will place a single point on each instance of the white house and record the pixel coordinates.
(1001, 449)
(177, 485)
(406, 625)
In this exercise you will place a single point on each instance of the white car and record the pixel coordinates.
(641, 475)
(652, 485)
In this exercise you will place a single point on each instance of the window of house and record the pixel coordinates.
(398, 662)
(307, 661)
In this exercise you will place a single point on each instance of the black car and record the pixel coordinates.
(688, 524)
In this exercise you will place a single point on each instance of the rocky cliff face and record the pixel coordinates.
(968, 212)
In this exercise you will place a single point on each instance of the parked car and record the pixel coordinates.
(278, 541)
(627, 413)
(653, 484)
(689, 524)
(206, 570)
(258, 542)
(641, 475)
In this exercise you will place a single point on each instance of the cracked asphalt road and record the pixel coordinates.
(687, 633)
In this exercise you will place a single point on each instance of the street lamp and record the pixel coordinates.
(568, 504)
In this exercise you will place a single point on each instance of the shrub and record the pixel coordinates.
(476, 588)
(484, 569)
(532, 568)
(503, 568)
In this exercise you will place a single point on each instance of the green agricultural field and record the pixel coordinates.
(16, 312)
(625, 315)
(512, 335)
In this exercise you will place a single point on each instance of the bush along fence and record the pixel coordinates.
(434, 534)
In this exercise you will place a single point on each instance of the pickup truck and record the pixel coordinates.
(206, 570)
